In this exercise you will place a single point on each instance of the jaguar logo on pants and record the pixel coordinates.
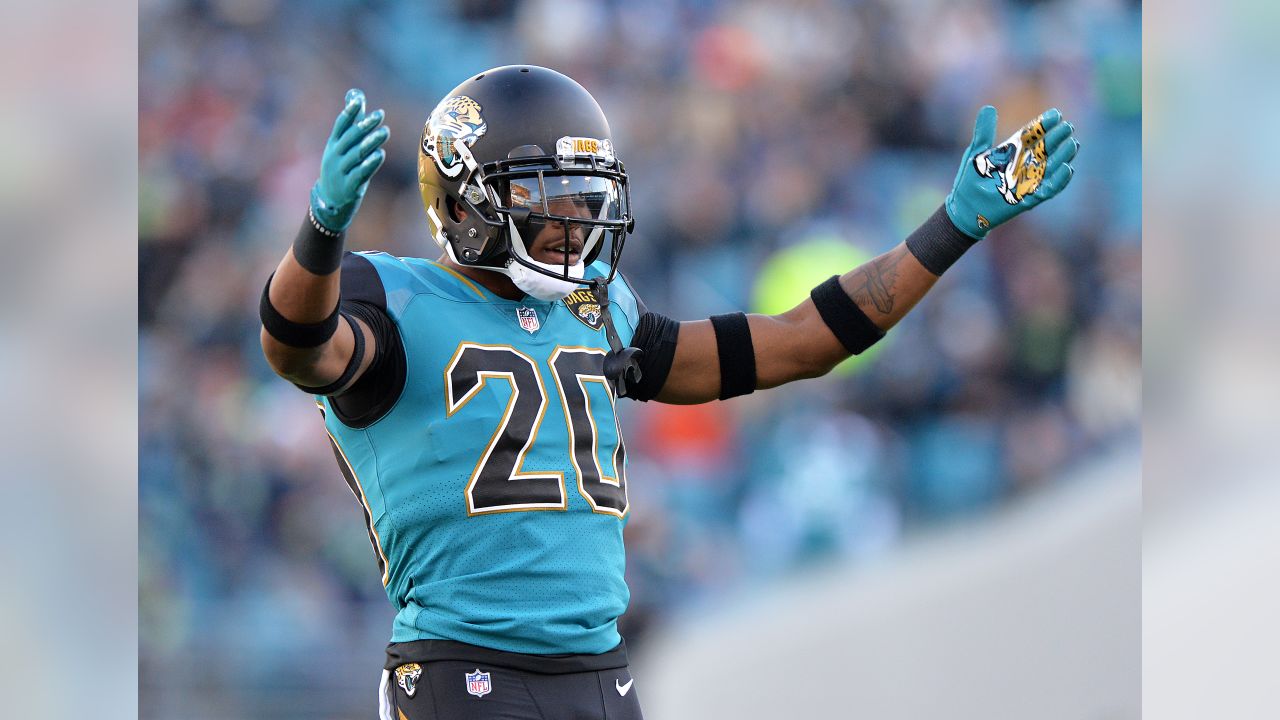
(407, 677)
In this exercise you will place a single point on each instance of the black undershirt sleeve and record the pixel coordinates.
(378, 389)
(357, 357)
(656, 336)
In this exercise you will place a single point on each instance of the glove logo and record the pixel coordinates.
(455, 118)
(1018, 162)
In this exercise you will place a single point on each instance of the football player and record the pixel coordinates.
(470, 399)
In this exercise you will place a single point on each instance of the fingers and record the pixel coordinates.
(371, 120)
(358, 131)
(1057, 180)
(1062, 147)
(371, 142)
(353, 109)
(366, 169)
(1049, 119)
(984, 130)
(1055, 137)
(1063, 154)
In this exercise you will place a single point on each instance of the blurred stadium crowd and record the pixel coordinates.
(748, 129)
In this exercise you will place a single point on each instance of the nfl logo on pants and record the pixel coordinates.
(478, 683)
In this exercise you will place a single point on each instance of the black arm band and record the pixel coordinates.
(938, 243)
(851, 326)
(294, 334)
(737, 355)
(317, 248)
(656, 335)
(357, 356)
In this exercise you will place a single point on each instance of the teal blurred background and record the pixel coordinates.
(747, 128)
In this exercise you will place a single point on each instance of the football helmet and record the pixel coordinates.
(517, 148)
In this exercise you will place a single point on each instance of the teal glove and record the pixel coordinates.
(351, 157)
(996, 183)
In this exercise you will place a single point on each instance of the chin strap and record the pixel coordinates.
(621, 364)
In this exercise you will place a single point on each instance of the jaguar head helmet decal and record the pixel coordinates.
(455, 118)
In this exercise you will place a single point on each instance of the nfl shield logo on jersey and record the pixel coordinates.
(528, 319)
(478, 683)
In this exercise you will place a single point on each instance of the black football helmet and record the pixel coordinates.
(519, 147)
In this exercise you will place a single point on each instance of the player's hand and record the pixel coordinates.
(996, 183)
(351, 157)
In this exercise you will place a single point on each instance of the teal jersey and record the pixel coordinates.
(495, 484)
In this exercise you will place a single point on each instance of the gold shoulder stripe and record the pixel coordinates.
(461, 277)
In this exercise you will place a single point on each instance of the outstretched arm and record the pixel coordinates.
(303, 337)
(994, 184)
(798, 344)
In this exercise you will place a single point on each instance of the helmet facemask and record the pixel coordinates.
(573, 213)
(583, 197)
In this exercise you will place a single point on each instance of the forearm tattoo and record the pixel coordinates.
(872, 284)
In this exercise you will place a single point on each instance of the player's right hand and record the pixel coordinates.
(351, 157)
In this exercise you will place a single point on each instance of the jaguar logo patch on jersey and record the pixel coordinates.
(583, 305)
(528, 319)
(407, 677)
(478, 683)
(455, 118)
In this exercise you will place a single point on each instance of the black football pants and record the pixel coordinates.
(458, 690)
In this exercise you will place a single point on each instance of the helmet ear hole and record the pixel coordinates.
(455, 210)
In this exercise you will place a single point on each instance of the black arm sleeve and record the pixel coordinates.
(656, 335)
(378, 389)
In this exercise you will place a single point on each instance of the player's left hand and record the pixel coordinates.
(997, 183)
(351, 157)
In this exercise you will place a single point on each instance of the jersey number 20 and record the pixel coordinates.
(499, 483)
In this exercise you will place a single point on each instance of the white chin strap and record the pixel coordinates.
(542, 286)
(534, 283)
